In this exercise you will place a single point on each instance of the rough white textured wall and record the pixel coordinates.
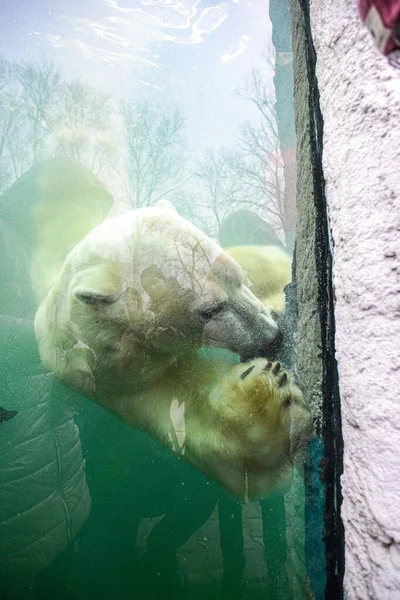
(360, 101)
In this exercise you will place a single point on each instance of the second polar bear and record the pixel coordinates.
(269, 270)
(123, 322)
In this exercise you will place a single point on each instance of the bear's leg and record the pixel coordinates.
(275, 547)
(232, 542)
(189, 499)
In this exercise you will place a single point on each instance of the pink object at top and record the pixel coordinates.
(382, 18)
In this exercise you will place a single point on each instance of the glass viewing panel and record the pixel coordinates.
(152, 435)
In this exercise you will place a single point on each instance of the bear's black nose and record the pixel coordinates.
(269, 351)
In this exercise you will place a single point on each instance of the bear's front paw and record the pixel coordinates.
(262, 387)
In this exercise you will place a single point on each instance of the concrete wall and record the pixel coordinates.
(360, 102)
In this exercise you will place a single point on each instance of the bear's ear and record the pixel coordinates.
(165, 204)
(97, 285)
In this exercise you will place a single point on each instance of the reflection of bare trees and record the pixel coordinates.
(156, 151)
(42, 115)
(142, 147)
(262, 168)
(82, 130)
(251, 176)
(40, 88)
(13, 160)
(221, 188)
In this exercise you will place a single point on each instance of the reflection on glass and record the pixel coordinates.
(147, 218)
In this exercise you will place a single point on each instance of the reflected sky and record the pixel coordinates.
(192, 52)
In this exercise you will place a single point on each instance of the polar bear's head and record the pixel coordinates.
(139, 292)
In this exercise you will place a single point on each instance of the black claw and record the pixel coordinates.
(267, 366)
(276, 368)
(246, 372)
(283, 380)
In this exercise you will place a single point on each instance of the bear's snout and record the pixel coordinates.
(269, 349)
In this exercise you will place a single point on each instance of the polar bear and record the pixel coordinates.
(134, 302)
(269, 270)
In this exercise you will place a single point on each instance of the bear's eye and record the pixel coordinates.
(210, 312)
(95, 299)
